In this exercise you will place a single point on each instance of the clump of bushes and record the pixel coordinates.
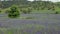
(25, 10)
(56, 12)
(0, 11)
(13, 13)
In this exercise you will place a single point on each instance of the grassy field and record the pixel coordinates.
(30, 29)
(30, 24)
(37, 22)
(42, 19)
(27, 29)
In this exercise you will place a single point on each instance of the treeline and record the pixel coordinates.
(39, 5)
(35, 5)
(27, 7)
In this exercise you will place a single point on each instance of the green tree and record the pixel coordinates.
(13, 13)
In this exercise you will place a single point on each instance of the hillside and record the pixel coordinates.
(33, 6)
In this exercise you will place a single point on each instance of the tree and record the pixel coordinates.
(13, 13)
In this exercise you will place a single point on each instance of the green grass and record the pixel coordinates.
(24, 28)
(35, 27)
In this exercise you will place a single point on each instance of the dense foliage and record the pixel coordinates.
(27, 6)
(35, 5)
(13, 13)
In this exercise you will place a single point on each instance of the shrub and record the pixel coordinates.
(56, 12)
(7, 11)
(26, 10)
(0, 11)
(13, 13)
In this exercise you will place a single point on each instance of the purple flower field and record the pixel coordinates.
(41, 24)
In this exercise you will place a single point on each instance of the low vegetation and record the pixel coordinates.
(13, 13)
(0, 11)
(27, 7)
(25, 10)
(56, 12)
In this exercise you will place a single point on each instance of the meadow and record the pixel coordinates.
(34, 18)
(34, 24)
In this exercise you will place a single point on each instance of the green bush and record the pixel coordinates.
(0, 11)
(25, 10)
(56, 12)
(7, 11)
(13, 13)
